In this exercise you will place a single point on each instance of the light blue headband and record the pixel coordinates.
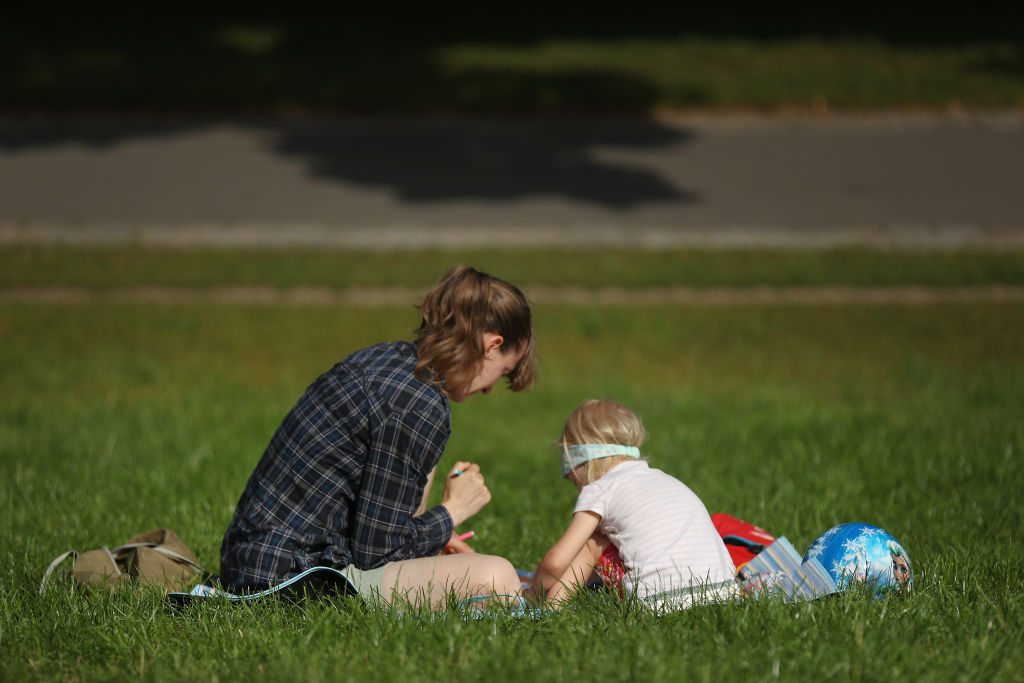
(574, 456)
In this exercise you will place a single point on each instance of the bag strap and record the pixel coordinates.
(178, 556)
(131, 546)
(160, 549)
(753, 547)
(53, 565)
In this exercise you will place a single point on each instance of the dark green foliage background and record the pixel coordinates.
(509, 59)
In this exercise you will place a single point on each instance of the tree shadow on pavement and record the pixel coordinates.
(432, 160)
(416, 160)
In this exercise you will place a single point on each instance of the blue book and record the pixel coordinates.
(778, 572)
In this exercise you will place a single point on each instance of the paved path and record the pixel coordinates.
(914, 180)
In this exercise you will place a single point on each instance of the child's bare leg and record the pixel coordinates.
(430, 580)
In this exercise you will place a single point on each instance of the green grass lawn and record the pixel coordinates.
(107, 267)
(115, 418)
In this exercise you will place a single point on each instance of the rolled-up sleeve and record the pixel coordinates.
(403, 451)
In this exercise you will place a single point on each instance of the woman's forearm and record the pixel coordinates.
(426, 493)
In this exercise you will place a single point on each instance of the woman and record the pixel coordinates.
(345, 479)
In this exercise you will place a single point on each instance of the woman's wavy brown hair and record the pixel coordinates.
(456, 313)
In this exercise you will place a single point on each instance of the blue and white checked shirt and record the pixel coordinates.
(344, 474)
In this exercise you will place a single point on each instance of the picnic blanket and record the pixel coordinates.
(776, 572)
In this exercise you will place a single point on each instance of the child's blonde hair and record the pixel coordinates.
(456, 313)
(598, 421)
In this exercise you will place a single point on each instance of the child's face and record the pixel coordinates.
(496, 364)
(576, 477)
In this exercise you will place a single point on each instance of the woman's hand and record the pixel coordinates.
(465, 494)
(456, 546)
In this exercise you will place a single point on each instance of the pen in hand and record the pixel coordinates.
(469, 534)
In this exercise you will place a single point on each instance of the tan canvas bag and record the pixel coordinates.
(157, 557)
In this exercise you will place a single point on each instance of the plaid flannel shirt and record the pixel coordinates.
(344, 474)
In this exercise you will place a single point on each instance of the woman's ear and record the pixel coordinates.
(492, 342)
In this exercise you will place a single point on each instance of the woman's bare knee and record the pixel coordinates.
(497, 575)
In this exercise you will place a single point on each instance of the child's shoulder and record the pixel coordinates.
(641, 470)
(628, 469)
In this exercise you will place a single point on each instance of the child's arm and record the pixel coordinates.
(569, 562)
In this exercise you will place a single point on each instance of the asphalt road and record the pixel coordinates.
(939, 180)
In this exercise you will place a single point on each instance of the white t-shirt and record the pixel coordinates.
(663, 531)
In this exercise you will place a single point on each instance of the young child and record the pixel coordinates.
(662, 530)
(345, 479)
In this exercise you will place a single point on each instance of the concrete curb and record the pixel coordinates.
(398, 296)
(390, 238)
